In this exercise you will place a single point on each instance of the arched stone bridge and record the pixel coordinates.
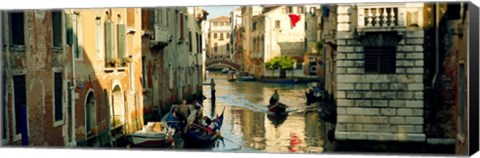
(224, 63)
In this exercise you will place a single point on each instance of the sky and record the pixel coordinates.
(217, 11)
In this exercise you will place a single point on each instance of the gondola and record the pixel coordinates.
(197, 137)
(277, 118)
(278, 108)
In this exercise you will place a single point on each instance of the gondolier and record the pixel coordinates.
(275, 98)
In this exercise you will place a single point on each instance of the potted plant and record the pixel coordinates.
(126, 60)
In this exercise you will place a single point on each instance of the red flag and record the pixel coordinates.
(294, 18)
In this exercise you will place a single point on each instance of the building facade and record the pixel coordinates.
(380, 72)
(171, 56)
(278, 31)
(219, 44)
(75, 68)
(247, 41)
(236, 35)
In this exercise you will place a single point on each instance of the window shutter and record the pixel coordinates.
(190, 40)
(109, 40)
(69, 29)
(121, 33)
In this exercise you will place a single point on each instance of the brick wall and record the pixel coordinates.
(384, 107)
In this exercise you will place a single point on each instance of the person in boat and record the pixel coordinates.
(275, 98)
(318, 90)
(173, 119)
(184, 111)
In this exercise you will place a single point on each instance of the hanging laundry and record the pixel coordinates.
(294, 18)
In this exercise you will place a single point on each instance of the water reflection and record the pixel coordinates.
(248, 127)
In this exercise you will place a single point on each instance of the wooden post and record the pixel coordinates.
(212, 83)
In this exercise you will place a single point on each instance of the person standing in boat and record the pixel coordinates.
(275, 98)
(184, 111)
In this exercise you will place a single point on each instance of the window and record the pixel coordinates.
(277, 24)
(144, 73)
(181, 26)
(190, 41)
(221, 36)
(131, 17)
(77, 38)
(20, 99)
(214, 35)
(4, 107)
(228, 46)
(312, 10)
(121, 41)
(170, 76)
(69, 29)
(197, 41)
(254, 26)
(99, 35)
(17, 34)
(306, 24)
(379, 59)
(228, 35)
(58, 83)
(215, 47)
(109, 37)
(209, 35)
(289, 10)
(215, 23)
(57, 28)
(461, 100)
(300, 10)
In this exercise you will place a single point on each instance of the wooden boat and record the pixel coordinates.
(246, 78)
(154, 134)
(278, 108)
(197, 137)
(277, 118)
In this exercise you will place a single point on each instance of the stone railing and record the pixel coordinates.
(380, 16)
(389, 15)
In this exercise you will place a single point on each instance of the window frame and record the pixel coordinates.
(99, 36)
(11, 43)
(56, 122)
(278, 24)
(17, 137)
(369, 53)
(53, 35)
(5, 110)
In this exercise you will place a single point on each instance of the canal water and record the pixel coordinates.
(248, 127)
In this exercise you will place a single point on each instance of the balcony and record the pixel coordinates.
(160, 37)
(389, 17)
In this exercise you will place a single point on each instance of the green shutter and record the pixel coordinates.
(69, 29)
(121, 33)
(109, 40)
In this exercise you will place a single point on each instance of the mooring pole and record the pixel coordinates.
(212, 83)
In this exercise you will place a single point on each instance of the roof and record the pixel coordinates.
(220, 18)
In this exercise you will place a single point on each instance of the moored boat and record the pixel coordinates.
(154, 134)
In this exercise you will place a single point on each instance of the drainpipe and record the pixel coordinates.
(72, 87)
(437, 22)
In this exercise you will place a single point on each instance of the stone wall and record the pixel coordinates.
(380, 107)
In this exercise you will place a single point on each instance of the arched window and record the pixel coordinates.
(215, 48)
